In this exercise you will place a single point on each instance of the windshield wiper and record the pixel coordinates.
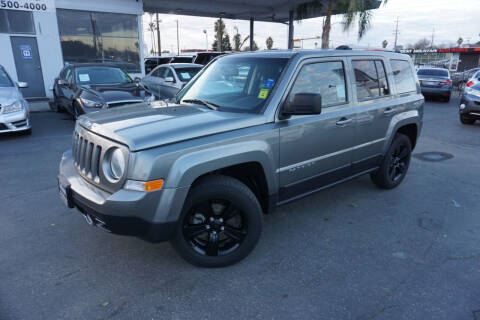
(207, 104)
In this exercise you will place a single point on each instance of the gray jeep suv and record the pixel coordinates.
(250, 132)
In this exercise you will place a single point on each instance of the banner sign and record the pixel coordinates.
(28, 5)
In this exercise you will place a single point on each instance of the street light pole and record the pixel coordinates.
(158, 36)
(206, 40)
(178, 41)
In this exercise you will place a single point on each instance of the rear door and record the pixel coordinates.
(316, 150)
(376, 105)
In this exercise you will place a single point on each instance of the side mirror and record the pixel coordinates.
(22, 84)
(137, 80)
(169, 79)
(62, 82)
(302, 104)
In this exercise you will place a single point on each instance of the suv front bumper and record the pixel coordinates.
(15, 121)
(146, 215)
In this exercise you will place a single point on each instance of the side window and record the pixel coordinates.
(324, 78)
(403, 76)
(159, 72)
(382, 78)
(169, 73)
(68, 76)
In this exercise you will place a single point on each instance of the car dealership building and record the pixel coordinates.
(38, 37)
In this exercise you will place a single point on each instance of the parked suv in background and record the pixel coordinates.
(251, 132)
(14, 112)
(435, 82)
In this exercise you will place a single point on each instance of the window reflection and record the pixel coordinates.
(99, 37)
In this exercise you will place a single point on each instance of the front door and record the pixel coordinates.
(27, 62)
(316, 150)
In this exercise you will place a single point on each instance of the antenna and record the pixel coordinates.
(396, 32)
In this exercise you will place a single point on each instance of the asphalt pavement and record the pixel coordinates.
(350, 252)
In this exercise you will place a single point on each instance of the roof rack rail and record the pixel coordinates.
(343, 47)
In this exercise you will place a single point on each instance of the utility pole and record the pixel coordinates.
(396, 32)
(158, 36)
(178, 41)
(206, 40)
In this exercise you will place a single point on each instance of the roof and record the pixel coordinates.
(260, 10)
(96, 64)
(184, 65)
(317, 53)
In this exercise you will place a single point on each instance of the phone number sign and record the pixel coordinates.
(28, 5)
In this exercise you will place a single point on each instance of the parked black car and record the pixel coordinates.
(204, 58)
(470, 105)
(87, 87)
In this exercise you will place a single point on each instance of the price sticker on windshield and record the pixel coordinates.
(263, 94)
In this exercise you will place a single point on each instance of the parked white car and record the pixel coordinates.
(474, 79)
(14, 111)
(167, 79)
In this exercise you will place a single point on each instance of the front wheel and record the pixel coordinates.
(395, 164)
(220, 224)
(466, 120)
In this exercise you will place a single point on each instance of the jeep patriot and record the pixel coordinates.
(250, 132)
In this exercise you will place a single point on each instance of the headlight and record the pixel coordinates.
(114, 164)
(14, 107)
(472, 92)
(90, 103)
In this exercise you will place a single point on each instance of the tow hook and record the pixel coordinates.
(93, 221)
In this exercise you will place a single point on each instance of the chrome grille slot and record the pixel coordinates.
(97, 151)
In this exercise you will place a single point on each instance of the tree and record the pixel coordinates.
(384, 44)
(422, 44)
(356, 11)
(237, 42)
(269, 43)
(459, 41)
(222, 36)
(255, 47)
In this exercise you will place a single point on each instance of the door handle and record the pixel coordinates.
(343, 121)
(389, 110)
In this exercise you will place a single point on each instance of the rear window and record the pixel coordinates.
(403, 76)
(5, 79)
(185, 74)
(476, 87)
(433, 72)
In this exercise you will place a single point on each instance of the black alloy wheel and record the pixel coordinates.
(215, 227)
(220, 224)
(395, 163)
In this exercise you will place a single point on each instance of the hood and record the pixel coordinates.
(143, 126)
(116, 93)
(9, 95)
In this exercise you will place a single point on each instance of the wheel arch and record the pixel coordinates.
(408, 123)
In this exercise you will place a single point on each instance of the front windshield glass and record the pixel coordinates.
(433, 72)
(101, 75)
(185, 74)
(237, 83)
(5, 79)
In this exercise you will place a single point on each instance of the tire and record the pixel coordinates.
(395, 163)
(55, 106)
(76, 111)
(27, 132)
(203, 238)
(466, 120)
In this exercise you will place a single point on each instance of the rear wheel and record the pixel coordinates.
(220, 224)
(466, 120)
(76, 111)
(395, 164)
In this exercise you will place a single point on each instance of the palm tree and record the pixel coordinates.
(269, 43)
(384, 44)
(459, 41)
(355, 11)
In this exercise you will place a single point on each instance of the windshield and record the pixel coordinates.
(185, 74)
(101, 75)
(5, 79)
(433, 72)
(239, 84)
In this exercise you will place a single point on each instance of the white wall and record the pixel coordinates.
(117, 6)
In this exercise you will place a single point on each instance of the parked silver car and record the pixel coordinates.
(14, 111)
(167, 79)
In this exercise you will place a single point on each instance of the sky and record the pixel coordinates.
(446, 19)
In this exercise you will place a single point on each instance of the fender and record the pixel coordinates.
(400, 120)
(190, 166)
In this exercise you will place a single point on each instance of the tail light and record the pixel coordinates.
(469, 83)
(446, 82)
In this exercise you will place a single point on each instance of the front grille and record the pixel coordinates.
(86, 156)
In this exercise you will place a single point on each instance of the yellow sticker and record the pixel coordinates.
(263, 94)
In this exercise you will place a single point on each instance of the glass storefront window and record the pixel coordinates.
(16, 22)
(99, 37)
